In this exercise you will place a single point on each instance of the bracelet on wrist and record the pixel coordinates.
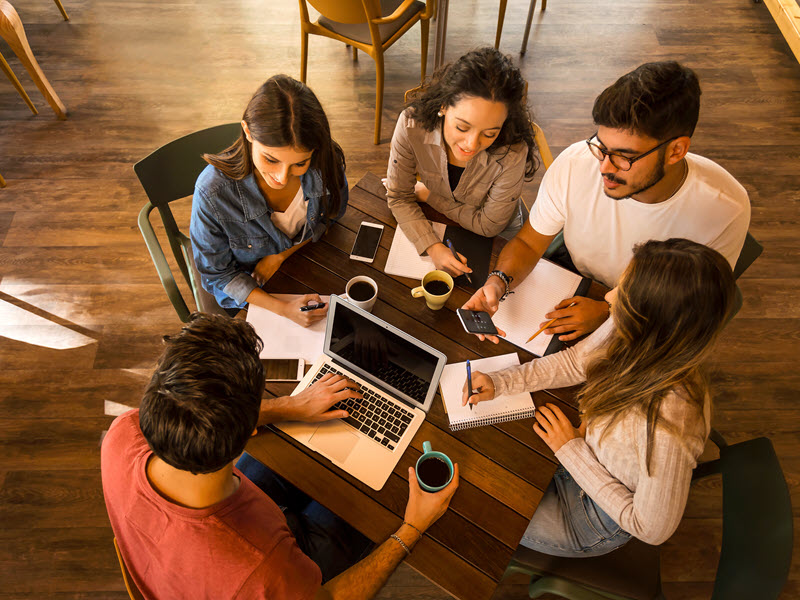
(412, 527)
(506, 279)
(402, 543)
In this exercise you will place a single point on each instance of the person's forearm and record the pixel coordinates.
(517, 260)
(260, 298)
(365, 579)
(275, 410)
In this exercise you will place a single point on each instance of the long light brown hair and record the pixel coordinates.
(672, 302)
(285, 112)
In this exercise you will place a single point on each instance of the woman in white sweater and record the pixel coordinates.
(645, 408)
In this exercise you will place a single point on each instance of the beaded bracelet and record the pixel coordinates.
(402, 543)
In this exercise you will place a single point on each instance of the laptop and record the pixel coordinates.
(399, 377)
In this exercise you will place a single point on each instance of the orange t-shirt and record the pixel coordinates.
(238, 548)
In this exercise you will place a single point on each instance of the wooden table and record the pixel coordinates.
(504, 468)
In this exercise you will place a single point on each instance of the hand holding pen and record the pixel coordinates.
(458, 258)
(483, 390)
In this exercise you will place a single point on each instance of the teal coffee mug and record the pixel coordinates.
(434, 469)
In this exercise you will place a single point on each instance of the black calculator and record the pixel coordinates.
(476, 321)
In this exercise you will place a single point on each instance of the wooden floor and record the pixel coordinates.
(81, 308)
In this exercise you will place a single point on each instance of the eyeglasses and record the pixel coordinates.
(623, 163)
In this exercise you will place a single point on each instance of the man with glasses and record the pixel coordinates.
(632, 181)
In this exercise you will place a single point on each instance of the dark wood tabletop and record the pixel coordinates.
(504, 468)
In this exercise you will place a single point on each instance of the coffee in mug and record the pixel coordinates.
(361, 291)
(434, 472)
(437, 287)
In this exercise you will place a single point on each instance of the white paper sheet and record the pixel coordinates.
(521, 314)
(403, 259)
(284, 338)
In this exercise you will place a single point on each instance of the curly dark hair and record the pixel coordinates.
(658, 99)
(202, 402)
(482, 73)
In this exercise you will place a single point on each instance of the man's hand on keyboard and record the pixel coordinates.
(313, 404)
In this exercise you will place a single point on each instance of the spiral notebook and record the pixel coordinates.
(504, 408)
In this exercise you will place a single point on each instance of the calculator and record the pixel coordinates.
(477, 321)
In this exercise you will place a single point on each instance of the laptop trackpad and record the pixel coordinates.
(335, 440)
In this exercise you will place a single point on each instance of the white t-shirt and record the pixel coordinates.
(710, 208)
(293, 218)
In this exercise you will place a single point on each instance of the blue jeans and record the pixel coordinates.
(568, 523)
(322, 536)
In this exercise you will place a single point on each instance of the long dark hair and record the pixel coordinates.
(285, 112)
(483, 73)
(672, 302)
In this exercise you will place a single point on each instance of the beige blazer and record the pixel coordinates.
(484, 200)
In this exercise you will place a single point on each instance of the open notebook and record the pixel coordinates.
(521, 314)
(503, 408)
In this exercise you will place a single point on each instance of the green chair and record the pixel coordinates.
(756, 540)
(166, 175)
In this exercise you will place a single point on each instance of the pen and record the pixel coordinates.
(316, 306)
(546, 325)
(455, 254)
(469, 383)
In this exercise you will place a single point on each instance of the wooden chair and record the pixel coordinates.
(13, 33)
(502, 15)
(130, 586)
(362, 24)
(756, 540)
(2, 181)
(169, 174)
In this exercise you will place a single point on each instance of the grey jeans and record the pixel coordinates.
(567, 522)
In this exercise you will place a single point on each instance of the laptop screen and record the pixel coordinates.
(406, 367)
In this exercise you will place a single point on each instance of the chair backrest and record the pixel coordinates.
(130, 586)
(169, 174)
(751, 250)
(345, 11)
(756, 521)
(542, 145)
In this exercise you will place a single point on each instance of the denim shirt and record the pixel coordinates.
(232, 229)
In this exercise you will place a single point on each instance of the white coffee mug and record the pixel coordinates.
(366, 281)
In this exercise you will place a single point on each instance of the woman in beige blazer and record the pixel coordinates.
(468, 138)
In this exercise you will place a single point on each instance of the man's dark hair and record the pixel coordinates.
(659, 99)
(202, 403)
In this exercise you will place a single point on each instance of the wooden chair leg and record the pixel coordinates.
(355, 54)
(303, 56)
(2, 181)
(378, 94)
(528, 25)
(425, 30)
(500, 18)
(13, 33)
(61, 8)
(13, 78)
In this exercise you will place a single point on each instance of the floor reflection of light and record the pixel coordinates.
(23, 326)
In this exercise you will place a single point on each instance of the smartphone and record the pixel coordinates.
(477, 321)
(367, 241)
(286, 369)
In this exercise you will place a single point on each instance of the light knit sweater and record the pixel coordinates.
(614, 473)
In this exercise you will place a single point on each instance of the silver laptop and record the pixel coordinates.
(399, 377)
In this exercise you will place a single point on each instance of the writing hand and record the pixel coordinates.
(291, 310)
(578, 315)
(482, 384)
(444, 260)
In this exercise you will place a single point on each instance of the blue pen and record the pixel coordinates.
(455, 254)
(469, 383)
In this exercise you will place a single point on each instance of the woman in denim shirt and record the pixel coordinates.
(468, 138)
(279, 186)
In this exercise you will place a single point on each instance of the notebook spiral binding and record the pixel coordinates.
(491, 420)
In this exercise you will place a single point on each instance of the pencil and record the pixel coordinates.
(545, 326)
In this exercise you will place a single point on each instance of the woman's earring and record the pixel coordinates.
(440, 113)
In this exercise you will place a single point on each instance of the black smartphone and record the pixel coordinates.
(477, 321)
(367, 241)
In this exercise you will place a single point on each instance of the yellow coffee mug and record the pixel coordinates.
(436, 287)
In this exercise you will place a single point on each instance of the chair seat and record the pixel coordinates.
(360, 31)
(631, 571)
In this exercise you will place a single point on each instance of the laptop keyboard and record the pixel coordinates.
(375, 416)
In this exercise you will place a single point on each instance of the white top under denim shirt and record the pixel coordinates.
(613, 473)
(232, 229)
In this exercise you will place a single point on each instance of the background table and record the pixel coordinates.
(504, 468)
